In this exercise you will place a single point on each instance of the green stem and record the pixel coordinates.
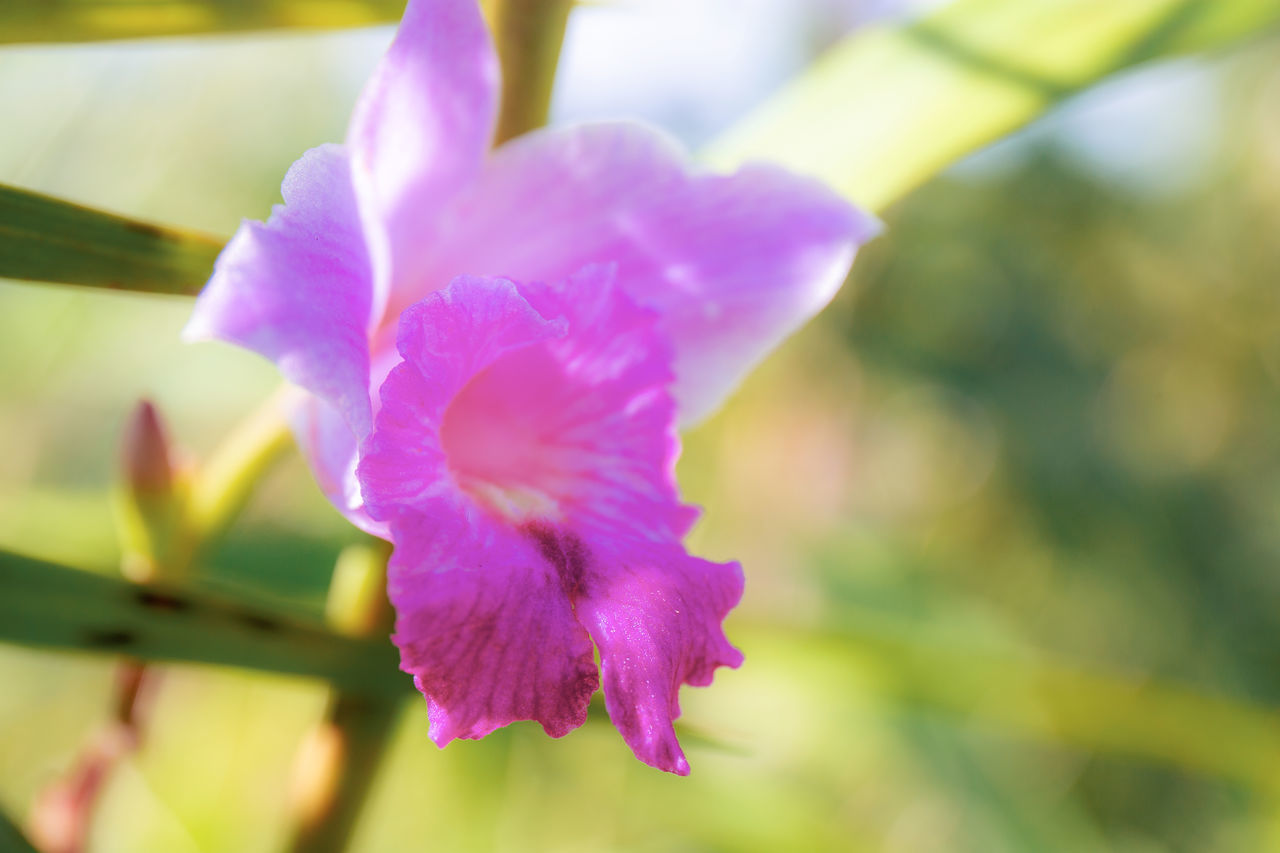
(340, 757)
(337, 768)
(528, 34)
(224, 483)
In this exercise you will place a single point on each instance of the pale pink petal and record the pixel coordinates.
(733, 264)
(296, 289)
(330, 447)
(486, 628)
(419, 132)
(655, 614)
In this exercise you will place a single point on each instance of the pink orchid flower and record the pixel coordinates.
(498, 346)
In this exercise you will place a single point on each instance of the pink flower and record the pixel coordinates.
(498, 347)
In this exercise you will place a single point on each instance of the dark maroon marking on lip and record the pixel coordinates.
(566, 552)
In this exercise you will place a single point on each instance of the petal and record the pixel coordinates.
(586, 419)
(296, 288)
(537, 402)
(485, 627)
(483, 621)
(733, 264)
(420, 130)
(446, 339)
(527, 431)
(330, 447)
(655, 614)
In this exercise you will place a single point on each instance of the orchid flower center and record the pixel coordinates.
(504, 450)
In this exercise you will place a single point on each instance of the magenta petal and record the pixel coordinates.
(655, 614)
(522, 458)
(557, 408)
(446, 339)
(296, 289)
(485, 626)
(524, 421)
(419, 132)
(484, 623)
(585, 420)
(733, 264)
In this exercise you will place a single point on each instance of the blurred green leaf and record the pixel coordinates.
(1004, 816)
(1106, 712)
(891, 106)
(96, 20)
(72, 526)
(45, 605)
(46, 239)
(42, 604)
(884, 111)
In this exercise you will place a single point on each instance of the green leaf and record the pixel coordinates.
(45, 605)
(96, 20)
(1006, 689)
(45, 239)
(891, 106)
(50, 606)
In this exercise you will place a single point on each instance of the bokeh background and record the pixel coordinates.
(1009, 509)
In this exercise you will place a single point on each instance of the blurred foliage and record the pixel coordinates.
(1008, 510)
(888, 107)
(93, 20)
(1058, 405)
(48, 605)
(45, 239)
(895, 104)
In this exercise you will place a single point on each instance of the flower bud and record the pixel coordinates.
(148, 469)
(149, 505)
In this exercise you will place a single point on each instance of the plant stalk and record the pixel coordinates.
(335, 770)
(528, 35)
(224, 483)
